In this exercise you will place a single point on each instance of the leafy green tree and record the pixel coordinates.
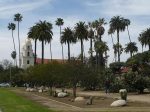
(131, 48)
(18, 17)
(116, 66)
(68, 37)
(117, 24)
(81, 33)
(60, 22)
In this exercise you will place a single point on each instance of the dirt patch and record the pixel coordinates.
(98, 102)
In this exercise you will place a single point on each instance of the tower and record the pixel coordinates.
(27, 56)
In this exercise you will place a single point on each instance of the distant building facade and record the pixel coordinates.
(27, 55)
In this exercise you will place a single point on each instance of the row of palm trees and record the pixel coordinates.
(42, 31)
(12, 26)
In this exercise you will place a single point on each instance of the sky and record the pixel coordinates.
(72, 11)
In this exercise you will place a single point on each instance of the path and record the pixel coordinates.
(59, 106)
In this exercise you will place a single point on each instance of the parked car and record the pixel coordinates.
(4, 85)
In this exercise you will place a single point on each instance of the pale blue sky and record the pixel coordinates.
(71, 11)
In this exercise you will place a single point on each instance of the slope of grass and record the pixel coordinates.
(11, 102)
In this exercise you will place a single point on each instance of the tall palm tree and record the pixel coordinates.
(81, 33)
(50, 37)
(127, 23)
(99, 30)
(117, 24)
(110, 32)
(13, 55)
(18, 17)
(144, 38)
(32, 34)
(131, 48)
(91, 37)
(44, 32)
(12, 27)
(68, 37)
(60, 22)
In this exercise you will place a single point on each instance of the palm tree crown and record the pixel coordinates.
(144, 37)
(131, 48)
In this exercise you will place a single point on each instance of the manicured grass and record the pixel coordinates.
(11, 102)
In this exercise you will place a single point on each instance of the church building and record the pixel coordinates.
(27, 55)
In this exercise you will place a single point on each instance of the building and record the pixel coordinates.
(27, 55)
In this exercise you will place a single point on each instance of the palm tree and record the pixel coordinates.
(110, 32)
(99, 31)
(33, 31)
(117, 24)
(131, 48)
(13, 55)
(127, 23)
(60, 22)
(68, 37)
(115, 47)
(144, 38)
(12, 27)
(49, 38)
(18, 17)
(44, 32)
(91, 37)
(101, 47)
(81, 33)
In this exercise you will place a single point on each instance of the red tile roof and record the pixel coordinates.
(46, 61)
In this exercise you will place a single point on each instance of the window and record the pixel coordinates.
(28, 47)
(28, 54)
(28, 62)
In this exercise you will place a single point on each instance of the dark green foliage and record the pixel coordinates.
(116, 66)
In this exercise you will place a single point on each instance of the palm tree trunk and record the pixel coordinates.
(68, 51)
(42, 51)
(51, 51)
(15, 60)
(19, 46)
(112, 39)
(91, 47)
(82, 50)
(128, 34)
(118, 45)
(130, 54)
(74, 90)
(35, 51)
(62, 47)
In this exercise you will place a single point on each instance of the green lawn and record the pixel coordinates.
(11, 102)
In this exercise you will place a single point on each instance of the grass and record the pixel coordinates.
(11, 102)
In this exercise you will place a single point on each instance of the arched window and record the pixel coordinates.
(28, 62)
(28, 54)
(28, 47)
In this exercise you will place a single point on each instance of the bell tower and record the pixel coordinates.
(27, 56)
